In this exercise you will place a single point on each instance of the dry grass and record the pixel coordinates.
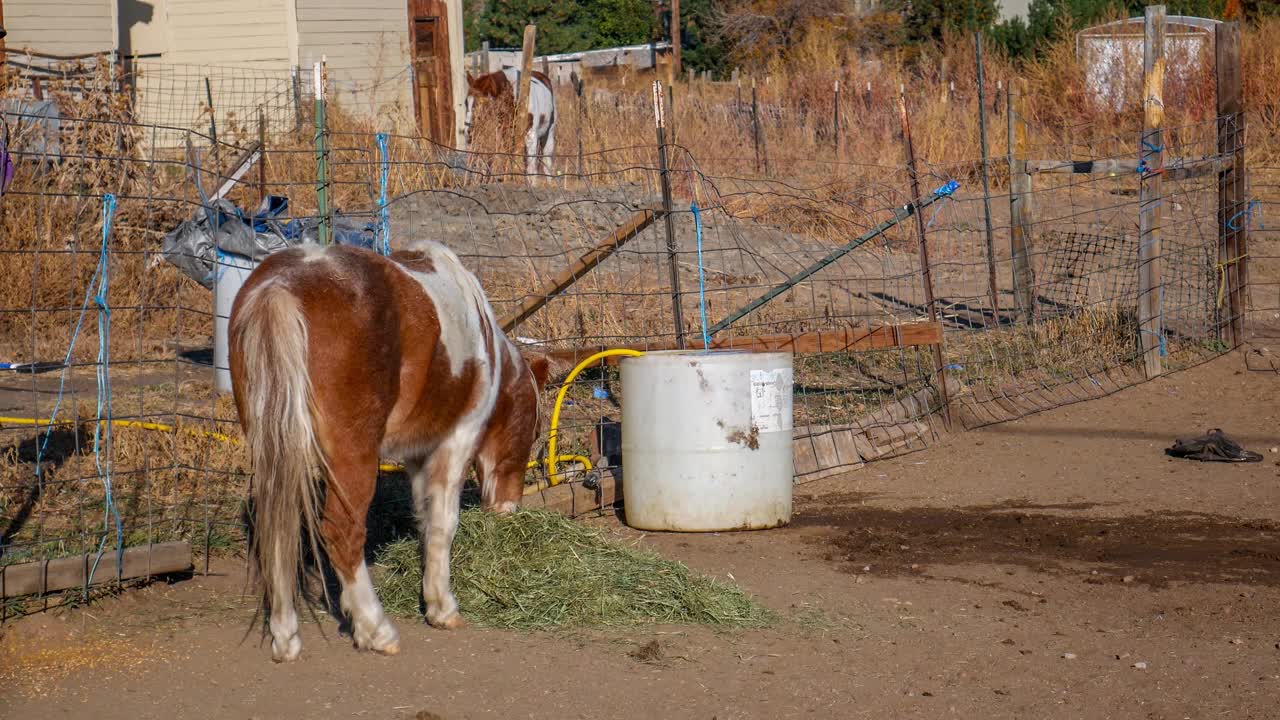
(538, 570)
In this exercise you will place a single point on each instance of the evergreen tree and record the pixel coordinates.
(928, 20)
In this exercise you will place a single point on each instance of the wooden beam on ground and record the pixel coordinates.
(875, 337)
(589, 260)
(574, 498)
(48, 576)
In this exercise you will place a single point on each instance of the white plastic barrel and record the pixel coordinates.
(231, 271)
(706, 440)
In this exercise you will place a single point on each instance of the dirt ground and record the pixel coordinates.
(1058, 566)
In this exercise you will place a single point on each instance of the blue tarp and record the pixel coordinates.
(193, 245)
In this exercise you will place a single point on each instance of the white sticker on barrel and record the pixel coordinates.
(771, 399)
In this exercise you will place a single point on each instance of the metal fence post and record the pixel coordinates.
(664, 174)
(926, 274)
(322, 153)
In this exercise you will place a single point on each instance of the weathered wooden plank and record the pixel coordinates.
(1175, 168)
(574, 498)
(48, 576)
(875, 337)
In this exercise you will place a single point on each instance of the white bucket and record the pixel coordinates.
(706, 440)
(230, 273)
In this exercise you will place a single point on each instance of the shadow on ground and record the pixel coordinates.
(1155, 549)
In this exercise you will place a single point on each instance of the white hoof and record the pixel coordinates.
(384, 639)
(287, 650)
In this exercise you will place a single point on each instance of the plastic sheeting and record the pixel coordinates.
(192, 247)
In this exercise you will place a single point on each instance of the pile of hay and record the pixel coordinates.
(537, 569)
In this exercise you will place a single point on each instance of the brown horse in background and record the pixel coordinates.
(339, 356)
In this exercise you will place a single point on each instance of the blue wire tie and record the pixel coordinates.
(702, 279)
(384, 220)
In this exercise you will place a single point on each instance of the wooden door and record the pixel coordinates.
(432, 86)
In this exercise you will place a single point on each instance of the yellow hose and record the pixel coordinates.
(552, 475)
(38, 422)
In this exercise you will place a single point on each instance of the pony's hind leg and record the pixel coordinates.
(531, 150)
(437, 489)
(353, 479)
(286, 644)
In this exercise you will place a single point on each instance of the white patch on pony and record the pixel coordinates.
(370, 627)
(457, 296)
(286, 645)
(311, 252)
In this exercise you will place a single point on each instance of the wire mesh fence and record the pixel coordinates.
(113, 433)
(1263, 320)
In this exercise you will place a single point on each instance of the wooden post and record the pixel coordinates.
(675, 38)
(1233, 203)
(1020, 199)
(1150, 195)
(320, 79)
(3, 56)
(926, 274)
(664, 176)
(737, 96)
(835, 120)
(521, 119)
(992, 285)
(484, 57)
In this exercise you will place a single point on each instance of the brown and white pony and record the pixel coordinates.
(540, 142)
(340, 356)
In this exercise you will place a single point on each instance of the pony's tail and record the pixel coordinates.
(279, 420)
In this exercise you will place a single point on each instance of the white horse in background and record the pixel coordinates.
(540, 142)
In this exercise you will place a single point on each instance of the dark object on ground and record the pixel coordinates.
(609, 440)
(1212, 447)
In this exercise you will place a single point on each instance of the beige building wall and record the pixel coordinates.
(60, 27)
(366, 48)
(199, 32)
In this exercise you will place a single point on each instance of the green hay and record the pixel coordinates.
(537, 569)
